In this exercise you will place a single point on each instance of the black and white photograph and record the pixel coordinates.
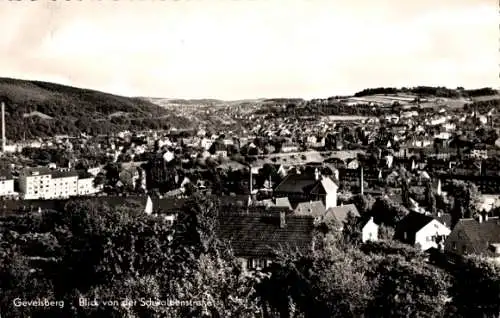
(250, 158)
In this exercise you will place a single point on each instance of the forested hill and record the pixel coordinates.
(39, 109)
(430, 91)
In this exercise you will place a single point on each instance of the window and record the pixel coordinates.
(257, 263)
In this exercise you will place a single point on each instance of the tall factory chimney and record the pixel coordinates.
(362, 181)
(3, 128)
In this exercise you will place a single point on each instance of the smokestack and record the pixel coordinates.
(3, 127)
(362, 182)
(251, 180)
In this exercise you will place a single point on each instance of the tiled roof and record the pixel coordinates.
(314, 208)
(230, 200)
(64, 174)
(340, 213)
(411, 224)
(253, 210)
(34, 171)
(166, 205)
(477, 236)
(305, 184)
(297, 183)
(261, 235)
(445, 218)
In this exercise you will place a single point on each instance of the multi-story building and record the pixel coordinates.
(85, 184)
(43, 183)
(6, 183)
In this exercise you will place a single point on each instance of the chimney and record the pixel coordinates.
(316, 174)
(362, 186)
(251, 180)
(282, 219)
(3, 127)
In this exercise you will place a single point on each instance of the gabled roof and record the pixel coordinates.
(325, 186)
(340, 213)
(306, 184)
(314, 208)
(261, 235)
(479, 235)
(297, 183)
(413, 222)
(445, 218)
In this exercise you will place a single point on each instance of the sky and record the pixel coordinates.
(238, 49)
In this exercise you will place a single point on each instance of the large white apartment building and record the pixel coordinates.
(43, 183)
(85, 185)
(6, 183)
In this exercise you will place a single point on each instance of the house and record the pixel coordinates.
(277, 202)
(340, 213)
(480, 236)
(6, 183)
(289, 147)
(487, 202)
(313, 208)
(369, 230)
(255, 238)
(479, 153)
(218, 149)
(422, 231)
(306, 187)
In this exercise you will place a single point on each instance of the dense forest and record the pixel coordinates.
(91, 251)
(73, 110)
(425, 91)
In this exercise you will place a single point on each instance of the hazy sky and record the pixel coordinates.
(234, 49)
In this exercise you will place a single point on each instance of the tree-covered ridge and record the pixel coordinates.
(427, 91)
(75, 110)
(94, 252)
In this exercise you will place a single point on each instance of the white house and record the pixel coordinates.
(6, 183)
(422, 231)
(369, 231)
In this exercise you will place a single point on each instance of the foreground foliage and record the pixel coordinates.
(88, 251)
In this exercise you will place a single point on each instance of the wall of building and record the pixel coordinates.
(370, 232)
(6, 187)
(424, 237)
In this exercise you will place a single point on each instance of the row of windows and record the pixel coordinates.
(258, 263)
